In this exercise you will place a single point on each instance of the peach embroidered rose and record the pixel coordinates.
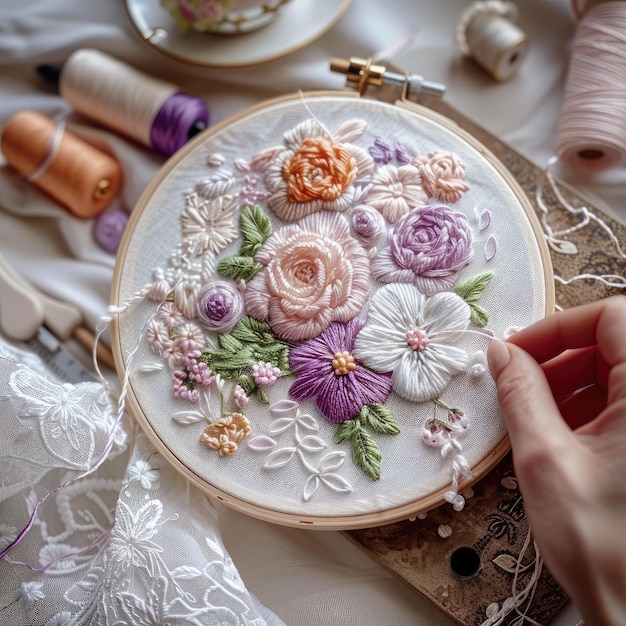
(443, 175)
(314, 171)
(315, 273)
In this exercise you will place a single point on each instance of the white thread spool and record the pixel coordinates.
(488, 34)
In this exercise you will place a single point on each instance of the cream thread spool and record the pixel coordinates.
(78, 175)
(592, 129)
(488, 34)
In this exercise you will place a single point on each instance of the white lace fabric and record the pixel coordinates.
(157, 555)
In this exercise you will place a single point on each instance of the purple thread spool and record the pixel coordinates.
(151, 111)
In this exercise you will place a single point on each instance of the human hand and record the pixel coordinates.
(562, 388)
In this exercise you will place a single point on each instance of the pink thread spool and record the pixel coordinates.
(592, 130)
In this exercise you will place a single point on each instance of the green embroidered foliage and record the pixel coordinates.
(255, 228)
(239, 267)
(249, 342)
(471, 291)
(379, 418)
(365, 452)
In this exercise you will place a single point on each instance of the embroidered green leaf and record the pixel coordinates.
(472, 290)
(246, 382)
(345, 430)
(365, 453)
(379, 418)
(229, 343)
(262, 396)
(222, 361)
(479, 316)
(239, 267)
(278, 356)
(255, 227)
(250, 330)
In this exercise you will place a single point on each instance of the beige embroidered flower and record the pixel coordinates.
(315, 273)
(443, 175)
(396, 191)
(314, 171)
(226, 433)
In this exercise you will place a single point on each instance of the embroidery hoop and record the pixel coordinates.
(152, 233)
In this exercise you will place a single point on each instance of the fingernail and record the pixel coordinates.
(498, 357)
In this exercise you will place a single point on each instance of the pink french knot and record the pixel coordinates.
(443, 175)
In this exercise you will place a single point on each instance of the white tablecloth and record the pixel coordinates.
(304, 577)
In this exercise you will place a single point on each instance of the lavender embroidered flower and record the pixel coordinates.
(410, 334)
(315, 273)
(315, 172)
(327, 371)
(428, 248)
(395, 191)
(220, 306)
(367, 225)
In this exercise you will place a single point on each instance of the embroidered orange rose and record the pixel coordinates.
(319, 170)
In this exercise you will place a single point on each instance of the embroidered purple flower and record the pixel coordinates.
(314, 171)
(395, 191)
(381, 151)
(410, 335)
(220, 306)
(327, 371)
(428, 248)
(367, 225)
(315, 273)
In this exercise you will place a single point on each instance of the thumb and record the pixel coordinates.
(530, 411)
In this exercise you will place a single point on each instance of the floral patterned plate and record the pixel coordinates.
(306, 293)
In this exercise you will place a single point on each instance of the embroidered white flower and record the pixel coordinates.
(142, 471)
(60, 619)
(209, 224)
(130, 543)
(410, 334)
(395, 191)
(31, 591)
(315, 171)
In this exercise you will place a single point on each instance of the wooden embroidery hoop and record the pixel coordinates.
(122, 337)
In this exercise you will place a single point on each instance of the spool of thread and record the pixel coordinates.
(592, 128)
(153, 112)
(75, 173)
(488, 34)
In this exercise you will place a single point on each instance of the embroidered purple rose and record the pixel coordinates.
(220, 306)
(427, 247)
(327, 372)
(367, 224)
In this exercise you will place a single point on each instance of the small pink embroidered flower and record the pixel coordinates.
(159, 338)
(198, 372)
(265, 374)
(220, 306)
(315, 172)
(189, 337)
(428, 248)
(367, 225)
(327, 371)
(410, 335)
(315, 273)
(171, 315)
(395, 191)
(252, 193)
(443, 175)
(226, 433)
(240, 397)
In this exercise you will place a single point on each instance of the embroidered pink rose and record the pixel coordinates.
(315, 273)
(314, 171)
(428, 248)
(443, 175)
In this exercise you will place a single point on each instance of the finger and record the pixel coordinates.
(595, 323)
(530, 411)
(583, 406)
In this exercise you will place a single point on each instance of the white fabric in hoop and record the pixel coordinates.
(504, 243)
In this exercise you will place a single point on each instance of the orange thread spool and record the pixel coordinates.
(75, 173)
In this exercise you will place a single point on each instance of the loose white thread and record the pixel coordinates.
(54, 143)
